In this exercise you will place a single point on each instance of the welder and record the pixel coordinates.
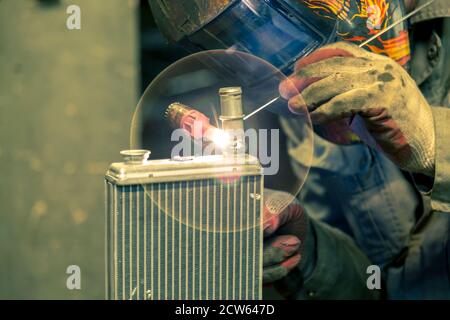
(386, 204)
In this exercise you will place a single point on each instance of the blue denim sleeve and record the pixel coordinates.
(362, 193)
(424, 270)
(380, 206)
(440, 194)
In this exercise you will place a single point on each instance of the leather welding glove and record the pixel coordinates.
(341, 81)
(285, 230)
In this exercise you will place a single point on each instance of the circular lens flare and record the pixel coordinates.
(282, 142)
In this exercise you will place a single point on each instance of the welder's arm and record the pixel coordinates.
(306, 259)
(438, 189)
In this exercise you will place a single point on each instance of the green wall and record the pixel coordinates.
(66, 100)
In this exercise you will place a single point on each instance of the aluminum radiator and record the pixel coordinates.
(188, 228)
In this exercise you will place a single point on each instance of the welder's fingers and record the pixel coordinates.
(321, 54)
(334, 65)
(322, 91)
(278, 272)
(293, 85)
(278, 249)
(347, 104)
(349, 49)
(308, 74)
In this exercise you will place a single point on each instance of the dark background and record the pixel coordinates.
(66, 101)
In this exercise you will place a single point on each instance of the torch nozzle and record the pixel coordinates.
(198, 126)
(189, 119)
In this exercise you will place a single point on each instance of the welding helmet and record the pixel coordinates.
(281, 31)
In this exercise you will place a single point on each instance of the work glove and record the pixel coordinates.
(340, 81)
(285, 229)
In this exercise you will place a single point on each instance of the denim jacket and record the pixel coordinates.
(364, 211)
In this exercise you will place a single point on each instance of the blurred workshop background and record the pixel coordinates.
(66, 101)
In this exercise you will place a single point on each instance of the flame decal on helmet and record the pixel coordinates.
(396, 48)
(375, 12)
(330, 9)
(360, 19)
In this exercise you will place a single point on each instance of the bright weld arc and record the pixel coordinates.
(220, 138)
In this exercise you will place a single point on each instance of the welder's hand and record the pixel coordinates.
(342, 80)
(285, 230)
(281, 255)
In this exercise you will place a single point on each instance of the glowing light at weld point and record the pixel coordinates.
(220, 138)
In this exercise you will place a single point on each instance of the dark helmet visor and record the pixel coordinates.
(271, 30)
